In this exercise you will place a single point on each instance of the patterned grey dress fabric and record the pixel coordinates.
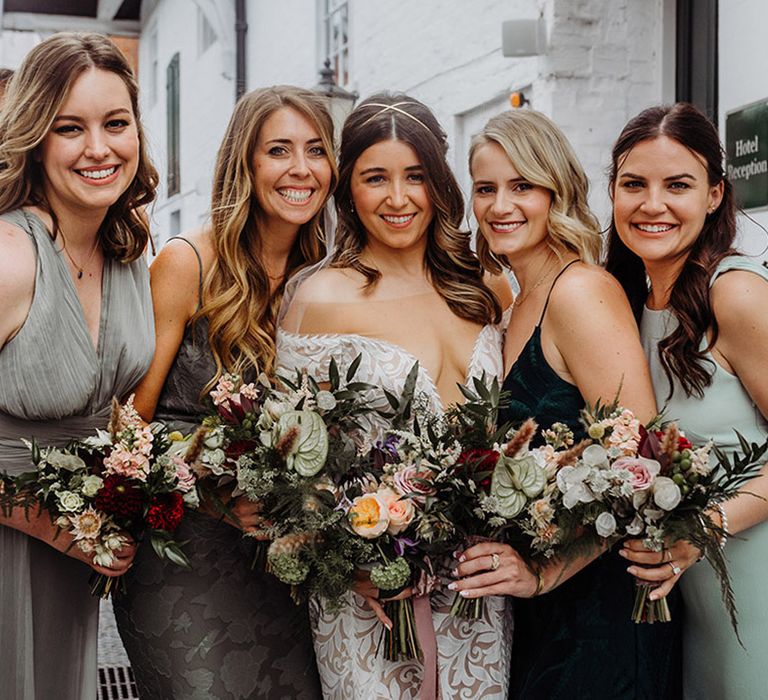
(55, 386)
(220, 630)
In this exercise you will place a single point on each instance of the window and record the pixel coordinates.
(206, 36)
(697, 54)
(173, 113)
(335, 18)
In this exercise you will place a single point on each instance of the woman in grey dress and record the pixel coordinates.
(75, 329)
(221, 629)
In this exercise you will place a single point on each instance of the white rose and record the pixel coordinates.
(605, 524)
(666, 493)
(69, 501)
(91, 485)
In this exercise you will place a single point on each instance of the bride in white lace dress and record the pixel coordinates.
(403, 287)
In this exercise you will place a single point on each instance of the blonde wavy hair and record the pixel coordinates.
(241, 310)
(34, 97)
(542, 155)
(454, 270)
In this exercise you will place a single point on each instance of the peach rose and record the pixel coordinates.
(369, 515)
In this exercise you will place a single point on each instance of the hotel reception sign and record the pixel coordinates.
(746, 148)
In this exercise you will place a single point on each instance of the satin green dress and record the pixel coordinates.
(56, 386)
(715, 665)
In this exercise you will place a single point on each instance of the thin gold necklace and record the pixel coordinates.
(525, 294)
(79, 268)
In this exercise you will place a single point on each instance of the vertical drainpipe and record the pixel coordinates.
(241, 27)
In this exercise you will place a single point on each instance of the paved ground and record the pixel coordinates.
(115, 678)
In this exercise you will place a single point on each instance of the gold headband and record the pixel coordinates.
(395, 108)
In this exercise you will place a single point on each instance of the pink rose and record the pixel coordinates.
(412, 480)
(643, 471)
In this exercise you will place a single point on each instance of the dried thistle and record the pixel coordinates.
(115, 419)
(521, 438)
(195, 447)
(572, 454)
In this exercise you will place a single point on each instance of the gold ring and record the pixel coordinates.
(495, 561)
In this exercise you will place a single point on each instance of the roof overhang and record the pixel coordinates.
(115, 17)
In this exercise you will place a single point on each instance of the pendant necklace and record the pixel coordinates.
(82, 267)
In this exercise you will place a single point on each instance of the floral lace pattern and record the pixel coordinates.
(473, 656)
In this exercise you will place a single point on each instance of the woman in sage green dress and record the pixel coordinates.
(571, 340)
(222, 630)
(704, 328)
(75, 330)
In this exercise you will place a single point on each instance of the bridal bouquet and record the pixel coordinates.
(277, 447)
(129, 478)
(655, 485)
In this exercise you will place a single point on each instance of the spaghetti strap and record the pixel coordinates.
(199, 267)
(549, 293)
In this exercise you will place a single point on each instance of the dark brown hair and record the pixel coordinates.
(454, 270)
(680, 352)
(36, 93)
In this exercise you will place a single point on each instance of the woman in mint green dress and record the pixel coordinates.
(702, 314)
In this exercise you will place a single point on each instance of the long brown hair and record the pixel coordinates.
(541, 154)
(241, 310)
(34, 97)
(454, 270)
(681, 355)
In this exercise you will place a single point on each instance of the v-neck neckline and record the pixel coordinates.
(105, 275)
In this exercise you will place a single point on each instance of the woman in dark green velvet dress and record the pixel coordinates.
(572, 339)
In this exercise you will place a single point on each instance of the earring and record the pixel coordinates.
(352, 206)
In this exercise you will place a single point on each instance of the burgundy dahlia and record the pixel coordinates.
(119, 496)
(166, 511)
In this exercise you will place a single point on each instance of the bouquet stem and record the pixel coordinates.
(647, 610)
(467, 608)
(401, 643)
(106, 586)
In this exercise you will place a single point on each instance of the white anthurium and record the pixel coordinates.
(605, 524)
(308, 452)
(514, 482)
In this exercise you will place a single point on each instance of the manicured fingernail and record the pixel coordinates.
(462, 559)
(632, 570)
(623, 552)
(456, 554)
(452, 586)
(654, 596)
(464, 594)
(389, 626)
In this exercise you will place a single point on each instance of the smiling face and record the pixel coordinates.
(390, 196)
(90, 156)
(292, 173)
(512, 213)
(661, 198)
